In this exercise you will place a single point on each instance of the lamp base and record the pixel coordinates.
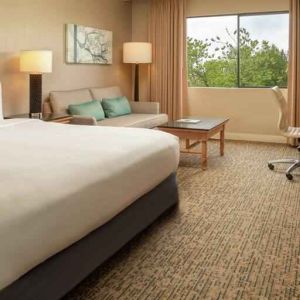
(136, 83)
(36, 115)
(35, 94)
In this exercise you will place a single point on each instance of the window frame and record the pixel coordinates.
(239, 15)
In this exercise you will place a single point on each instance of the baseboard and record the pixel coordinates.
(255, 137)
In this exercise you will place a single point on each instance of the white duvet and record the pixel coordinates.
(60, 182)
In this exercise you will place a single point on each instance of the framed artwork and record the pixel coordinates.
(87, 45)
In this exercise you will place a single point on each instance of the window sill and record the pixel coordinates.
(234, 88)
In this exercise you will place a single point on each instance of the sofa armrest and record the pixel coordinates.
(144, 107)
(83, 120)
(47, 109)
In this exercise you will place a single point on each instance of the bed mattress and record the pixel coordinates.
(60, 182)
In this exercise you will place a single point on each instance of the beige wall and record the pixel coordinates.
(219, 7)
(253, 112)
(39, 24)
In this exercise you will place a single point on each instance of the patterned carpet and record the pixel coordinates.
(235, 235)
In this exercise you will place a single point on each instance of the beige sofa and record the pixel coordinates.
(144, 114)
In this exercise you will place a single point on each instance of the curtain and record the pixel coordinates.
(167, 33)
(294, 64)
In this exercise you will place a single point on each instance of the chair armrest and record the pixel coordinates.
(83, 120)
(144, 107)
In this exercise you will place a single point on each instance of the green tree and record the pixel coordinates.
(197, 55)
(261, 63)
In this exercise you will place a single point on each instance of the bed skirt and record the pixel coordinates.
(55, 277)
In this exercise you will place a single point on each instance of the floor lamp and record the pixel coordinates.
(137, 53)
(36, 62)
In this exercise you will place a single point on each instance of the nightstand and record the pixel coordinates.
(57, 118)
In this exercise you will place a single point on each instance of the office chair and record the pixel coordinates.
(287, 131)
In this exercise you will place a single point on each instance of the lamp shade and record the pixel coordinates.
(36, 61)
(137, 53)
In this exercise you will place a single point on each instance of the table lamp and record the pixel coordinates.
(36, 62)
(137, 53)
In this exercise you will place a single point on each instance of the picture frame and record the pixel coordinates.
(88, 45)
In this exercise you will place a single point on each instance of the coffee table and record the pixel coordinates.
(200, 132)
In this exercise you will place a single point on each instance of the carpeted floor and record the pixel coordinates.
(235, 235)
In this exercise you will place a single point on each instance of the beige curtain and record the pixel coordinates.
(294, 64)
(167, 33)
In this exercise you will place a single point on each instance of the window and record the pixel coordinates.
(248, 50)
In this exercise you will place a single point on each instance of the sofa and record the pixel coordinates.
(143, 114)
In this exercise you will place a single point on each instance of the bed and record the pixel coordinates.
(72, 196)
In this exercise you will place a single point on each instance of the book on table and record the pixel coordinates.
(189, 121)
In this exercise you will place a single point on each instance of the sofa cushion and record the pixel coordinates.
(92, 109)
(116, 107)
(136, 120)
(107, 92)
(61, 100)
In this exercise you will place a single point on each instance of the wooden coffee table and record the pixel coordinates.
(198, 133)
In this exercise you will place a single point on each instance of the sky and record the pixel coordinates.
(273, 28)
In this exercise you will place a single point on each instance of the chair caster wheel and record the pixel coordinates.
(289, 176)
(271, 167)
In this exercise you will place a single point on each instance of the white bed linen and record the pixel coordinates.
(60, 182)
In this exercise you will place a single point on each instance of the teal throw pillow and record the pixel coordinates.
(91, 109)
(115, 107)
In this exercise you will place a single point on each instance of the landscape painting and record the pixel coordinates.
(87, 45)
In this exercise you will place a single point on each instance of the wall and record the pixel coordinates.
(39, 24)
(217, 7)
(253, 112)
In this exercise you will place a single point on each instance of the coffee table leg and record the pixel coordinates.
(187, 143)
(204, 155)
(222, 141)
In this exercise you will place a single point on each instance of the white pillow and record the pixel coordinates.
(1, 112)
